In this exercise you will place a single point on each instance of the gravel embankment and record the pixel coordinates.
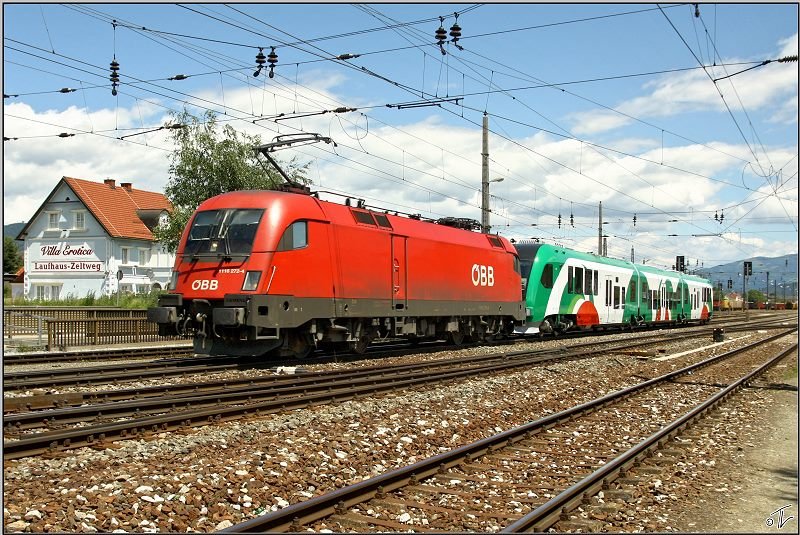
(217, 475)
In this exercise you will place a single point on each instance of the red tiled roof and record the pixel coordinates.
(115, 207)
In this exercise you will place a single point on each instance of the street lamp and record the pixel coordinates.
(485, 203)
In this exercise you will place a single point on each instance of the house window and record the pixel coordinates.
(80, 220)
(52, 220)
(144, 257)
(126, 255)
(55, 292)
(40, 292)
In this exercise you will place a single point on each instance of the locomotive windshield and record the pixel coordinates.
(223, 232)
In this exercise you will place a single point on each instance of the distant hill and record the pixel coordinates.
(782, 269)
(13, 230)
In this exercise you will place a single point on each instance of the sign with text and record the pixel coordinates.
(68, 265)
(67, 256)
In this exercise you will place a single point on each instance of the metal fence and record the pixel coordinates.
(26, 319)
(88, 332)
(61, 327)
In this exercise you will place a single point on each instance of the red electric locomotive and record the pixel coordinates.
(282, 272)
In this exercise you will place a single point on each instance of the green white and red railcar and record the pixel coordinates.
(569, 290)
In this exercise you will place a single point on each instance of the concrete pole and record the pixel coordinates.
(485, 177)
(600, 231)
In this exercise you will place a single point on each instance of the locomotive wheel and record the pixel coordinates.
(455, 337)
(360, 347)
(298, 345)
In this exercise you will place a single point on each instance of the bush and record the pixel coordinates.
(126, 301)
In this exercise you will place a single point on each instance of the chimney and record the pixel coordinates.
(110, 182)
(127, 185)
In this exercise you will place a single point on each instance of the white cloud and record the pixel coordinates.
(427, 167)
(694, 91)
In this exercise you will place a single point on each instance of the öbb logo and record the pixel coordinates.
(482, 275)
(205, 284)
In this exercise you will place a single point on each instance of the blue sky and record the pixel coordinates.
(586, 103)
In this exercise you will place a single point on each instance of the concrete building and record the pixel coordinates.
(95, 238)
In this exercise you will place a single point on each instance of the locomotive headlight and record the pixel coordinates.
(251, 279)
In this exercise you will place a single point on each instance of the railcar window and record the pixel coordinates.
(596, 282)
(382, 220)
(632, 289)
(570, 275)
(226, 231)
(516, 265)
(608, 292)
(578, 288)
(364, 217)
(547, 276)
(294, 237)
(616, 296)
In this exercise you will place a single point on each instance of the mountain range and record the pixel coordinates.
(781, 272)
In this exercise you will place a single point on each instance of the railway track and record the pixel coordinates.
(530, 477)
(186, 350)
(51, 378)
(128, 352)
(273, 394)
(41, 380)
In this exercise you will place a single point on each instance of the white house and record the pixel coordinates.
(90, 237)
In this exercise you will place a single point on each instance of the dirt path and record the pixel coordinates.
(763, 479)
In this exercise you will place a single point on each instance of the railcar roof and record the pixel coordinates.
(529, 251)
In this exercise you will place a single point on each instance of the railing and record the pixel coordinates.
(87, 332)
(26, 320)
(23, 323)
(61, 327)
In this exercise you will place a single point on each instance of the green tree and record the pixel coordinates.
(207, 162)
(12, 259)
(755, 297)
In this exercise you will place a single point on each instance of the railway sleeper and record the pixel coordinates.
(355, 522)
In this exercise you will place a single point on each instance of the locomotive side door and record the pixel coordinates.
(399, 272)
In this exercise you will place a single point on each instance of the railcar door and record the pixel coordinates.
(399, 273)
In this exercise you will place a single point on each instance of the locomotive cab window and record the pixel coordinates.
(294, 237)
(547, 276)
(223, 232)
